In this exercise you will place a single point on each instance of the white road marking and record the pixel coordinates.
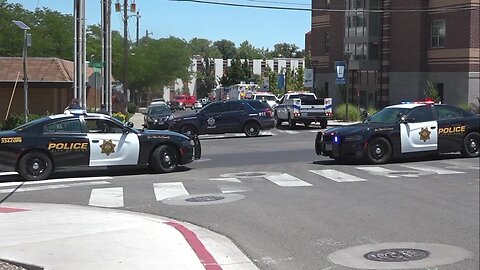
(465, 165)
(106, 197)
(286, 180)
(288, 131)
(337, 176)
(232, 189)
(8, 173)
(168, 190)
(431, 169)
(385, 172)
(225, 179)
(267, 133)
(37, 188)
(60, 180)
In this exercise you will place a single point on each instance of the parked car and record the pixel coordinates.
(198, 105)
(247, 115)
(182, 102)
(269, 98)
(157, 116)
(78, 139)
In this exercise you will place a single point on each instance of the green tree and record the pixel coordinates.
(204, 47)
(227, 48)
(206, 80)
(234, 73)
(285, 50)
(247, 51)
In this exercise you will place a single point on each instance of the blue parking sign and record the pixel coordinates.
(341, 72)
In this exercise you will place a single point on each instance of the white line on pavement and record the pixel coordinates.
(385, 172)
(286, 180)
(60, 180)
(106, 197)
(37, 188)
(225, 179)
(337, 176)
(431, 169)
(8, 173)
(168, 190)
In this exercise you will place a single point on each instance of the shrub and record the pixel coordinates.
(132, 107)
(465, 106)
(354, 113)
(16, 120)
(120, 116)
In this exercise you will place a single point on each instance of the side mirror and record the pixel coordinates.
(129, 124)
(406, 119)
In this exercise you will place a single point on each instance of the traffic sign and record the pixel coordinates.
(341, 72)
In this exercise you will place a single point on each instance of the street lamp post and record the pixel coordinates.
(347, 55)
(26, 43)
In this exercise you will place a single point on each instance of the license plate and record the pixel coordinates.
(328, 147)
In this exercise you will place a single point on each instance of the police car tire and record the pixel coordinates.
(307, 123)
(323, 123)
(251, 129)
(189, 130)
(291, 123)
(385, 151)
(26, 170)
(164, 159)
(467, 151)
(278, 122)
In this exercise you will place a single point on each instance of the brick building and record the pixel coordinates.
(395, 47)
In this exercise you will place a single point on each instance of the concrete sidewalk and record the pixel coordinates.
(56, 236)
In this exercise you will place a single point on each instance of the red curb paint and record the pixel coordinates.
(202, 253)
(4, 210)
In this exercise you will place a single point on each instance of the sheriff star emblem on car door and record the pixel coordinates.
(211, 121)
(108, 147)
(424, 134)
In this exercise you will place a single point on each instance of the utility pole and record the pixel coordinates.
(118, 8)
(107, 54)
(138, 25)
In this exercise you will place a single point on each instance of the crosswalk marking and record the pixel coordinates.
(36, 188)
(385, 172)
(8, 173)
(431, 169)
(288, 131)
(461, 164)
(286, 180)
(225, 179)
(60, 180)
(337, 176)
(267, 133)
(168, 190)
(229, 188)
(106, 197)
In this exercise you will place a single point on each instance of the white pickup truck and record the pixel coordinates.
(303, 108)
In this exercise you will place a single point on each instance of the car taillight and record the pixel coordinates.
(328, 113)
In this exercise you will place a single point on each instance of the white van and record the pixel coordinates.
(269, 98)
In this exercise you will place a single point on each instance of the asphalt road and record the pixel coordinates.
(288, 208)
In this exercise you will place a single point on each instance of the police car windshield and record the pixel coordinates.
(29, 124)
(303, 97)
(388, 115)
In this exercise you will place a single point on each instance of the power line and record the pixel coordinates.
(452, 9)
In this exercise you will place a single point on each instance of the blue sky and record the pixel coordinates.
(186, 20)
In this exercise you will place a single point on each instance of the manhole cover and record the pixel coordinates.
(404, 173)
(205, 199)
(397, 255)
(252, 174)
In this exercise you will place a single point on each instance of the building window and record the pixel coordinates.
(327, 42)
(438, 33)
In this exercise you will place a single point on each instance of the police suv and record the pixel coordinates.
(78, 139)
(245, 115)
(404, 129)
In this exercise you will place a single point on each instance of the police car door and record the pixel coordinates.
(210, 118)
(109, 144)
(419, 131)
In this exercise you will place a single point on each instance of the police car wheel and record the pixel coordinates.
(189, 130)
(307, 123)
(379, 151)
(471, 145)
(164, 159)
(291, 123)
(323, 123)
(35, 166)
(251, 129)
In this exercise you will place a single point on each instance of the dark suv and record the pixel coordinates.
(249, 116)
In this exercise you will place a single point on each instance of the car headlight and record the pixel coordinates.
(354, 138)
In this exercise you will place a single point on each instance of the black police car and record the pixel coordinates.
(248, 116)
(37, 148)
(401, 130)
(157, 116)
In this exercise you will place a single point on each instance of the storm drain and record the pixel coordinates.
(396, 255)
(203, 199)
(402, 255)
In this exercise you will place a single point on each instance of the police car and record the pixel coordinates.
(246, 115)
(77, 139)
(404, 129)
